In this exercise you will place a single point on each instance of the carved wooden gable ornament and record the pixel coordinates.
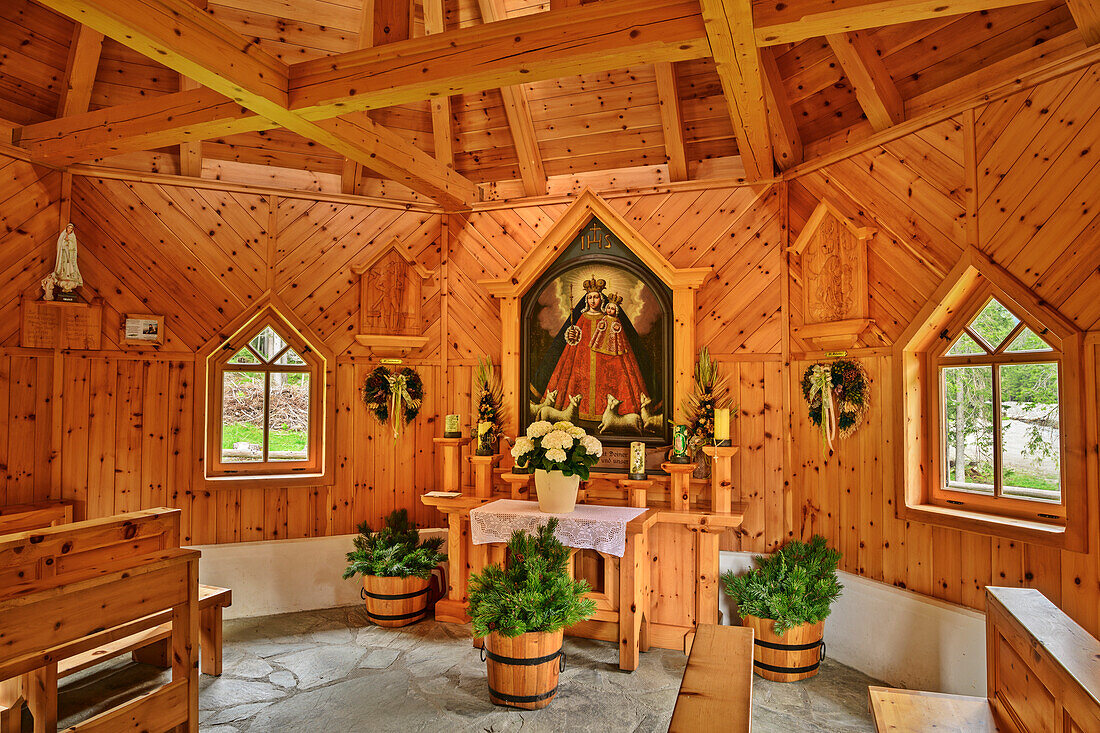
(833, 253)
(390, 299)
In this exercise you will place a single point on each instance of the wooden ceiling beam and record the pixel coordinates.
(185, 39)
(611, 34)
(358, 138)
(80, 71)
(786, 140)
(517, 109)
(171, 119)
(791, 22)
(381, 22)
(1086, 14)
(875, 89)
(442, 130)
(730, 32)
(190, 151)
(672, 121)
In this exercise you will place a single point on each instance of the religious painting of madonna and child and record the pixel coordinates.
(597, 349)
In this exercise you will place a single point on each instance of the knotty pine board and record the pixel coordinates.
(908, 190)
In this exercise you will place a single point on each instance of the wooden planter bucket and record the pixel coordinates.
(794, 656)
(394, 602)
(523, 670)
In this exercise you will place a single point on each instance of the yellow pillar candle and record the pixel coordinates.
(484, 430)
(721, 425)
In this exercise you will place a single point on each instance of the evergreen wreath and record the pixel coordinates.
(838, 394)
(795, 585)
(386, 392)
(533, 592)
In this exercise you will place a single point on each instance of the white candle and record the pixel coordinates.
(637, 458)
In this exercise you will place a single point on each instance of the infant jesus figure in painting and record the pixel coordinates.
(597, 359)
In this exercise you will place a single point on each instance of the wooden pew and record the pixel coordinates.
(1042, 674)
(151, 645)
(716, 692)
(61, 586)
(24, 517)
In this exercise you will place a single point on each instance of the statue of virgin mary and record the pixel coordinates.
(66, 272)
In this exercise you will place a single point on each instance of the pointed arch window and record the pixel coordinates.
(1000, 408)
(991, 412)
(266, 402)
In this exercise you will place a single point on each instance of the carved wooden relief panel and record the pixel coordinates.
(833, 251)
(390, 300)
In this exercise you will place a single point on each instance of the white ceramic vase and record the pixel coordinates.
(557, 492)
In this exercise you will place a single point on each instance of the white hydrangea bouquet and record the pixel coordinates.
(560, 446)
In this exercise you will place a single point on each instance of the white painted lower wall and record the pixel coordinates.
(282, 576)
(902, 638)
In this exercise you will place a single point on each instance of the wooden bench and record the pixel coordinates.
(24, 517)
(150, 645)
(60, 587)
(1042, 674)
(716, 692)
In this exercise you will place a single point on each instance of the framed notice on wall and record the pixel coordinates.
(142, 329)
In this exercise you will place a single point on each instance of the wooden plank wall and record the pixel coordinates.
(1015, 178)
(1035, 160)
(738, 232)
(120, 436)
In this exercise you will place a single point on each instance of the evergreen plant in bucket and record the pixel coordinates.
(521, 610)
(786, 599)
(396, 567)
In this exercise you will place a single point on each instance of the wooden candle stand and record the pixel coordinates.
(721, 477)
(483, 474)
(519, 485)
(680, 486)
(452, 462)
(637, 491)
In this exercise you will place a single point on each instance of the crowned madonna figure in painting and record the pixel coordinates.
(594, 360)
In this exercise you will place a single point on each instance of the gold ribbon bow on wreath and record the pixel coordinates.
(394, 397)
(821, 383)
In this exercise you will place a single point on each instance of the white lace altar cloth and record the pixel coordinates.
(589, 526)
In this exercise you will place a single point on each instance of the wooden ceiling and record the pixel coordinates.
(793, 82)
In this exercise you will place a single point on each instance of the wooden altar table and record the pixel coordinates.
(622, 595)
(668, 580)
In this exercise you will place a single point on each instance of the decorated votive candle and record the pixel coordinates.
(451, 427)
(637, 460)
(680, 444)
(484, 434)
(722, 426)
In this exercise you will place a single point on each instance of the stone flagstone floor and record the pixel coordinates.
(331, 671)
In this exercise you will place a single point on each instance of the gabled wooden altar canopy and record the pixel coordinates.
(683, 281)
(245, 89)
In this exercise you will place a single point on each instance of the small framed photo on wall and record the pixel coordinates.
(142, 329)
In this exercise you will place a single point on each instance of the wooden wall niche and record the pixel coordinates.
(833, 251)
(390, 300)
